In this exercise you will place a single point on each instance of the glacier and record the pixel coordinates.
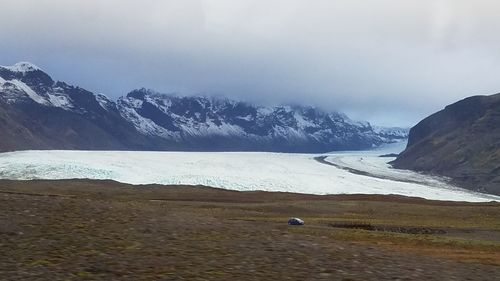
(244, 171)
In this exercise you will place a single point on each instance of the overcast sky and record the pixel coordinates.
(391, 62)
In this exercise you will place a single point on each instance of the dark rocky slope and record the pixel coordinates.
(37, 112)
(461, 141)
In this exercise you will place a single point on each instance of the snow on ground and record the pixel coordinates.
(230, 170)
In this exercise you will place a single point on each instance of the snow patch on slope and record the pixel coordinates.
(28, 91)
(211, 129)
(142, 124)
(60, 100)
(104, 101)
(55, 97)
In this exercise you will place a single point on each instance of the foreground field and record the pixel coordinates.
(103, 230)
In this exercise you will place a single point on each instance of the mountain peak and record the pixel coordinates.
(140, 93)
(22, 67)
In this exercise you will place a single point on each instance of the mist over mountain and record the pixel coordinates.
(37, 112)
(411, 57)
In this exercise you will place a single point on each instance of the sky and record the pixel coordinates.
(390, 62)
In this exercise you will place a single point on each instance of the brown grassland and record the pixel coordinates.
(104, 230)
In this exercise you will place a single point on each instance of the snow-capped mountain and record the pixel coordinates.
(277, 128)
(38, 112)
(27, 83)
(391, 132)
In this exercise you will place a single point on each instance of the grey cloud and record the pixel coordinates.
(386, 61)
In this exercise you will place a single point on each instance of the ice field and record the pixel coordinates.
(236, 170)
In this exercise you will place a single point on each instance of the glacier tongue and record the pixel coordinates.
(232, 170)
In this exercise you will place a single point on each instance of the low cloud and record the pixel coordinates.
(390, 62)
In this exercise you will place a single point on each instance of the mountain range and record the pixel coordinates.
(37, 112)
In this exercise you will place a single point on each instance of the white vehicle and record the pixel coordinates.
(295, 221)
